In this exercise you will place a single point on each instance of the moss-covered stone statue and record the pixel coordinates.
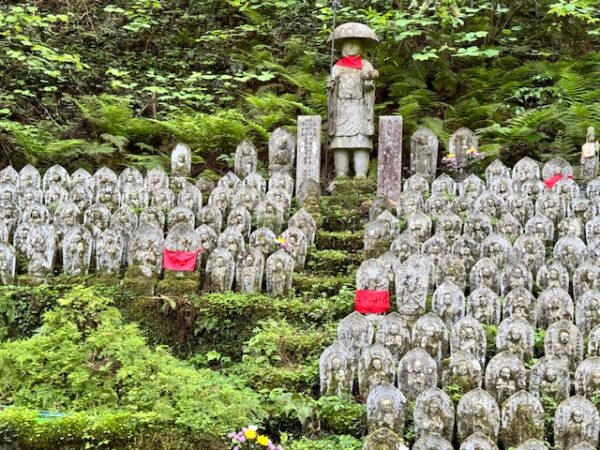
(351, 89)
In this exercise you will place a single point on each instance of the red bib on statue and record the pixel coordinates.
(372, 302)
(353, 62)
(550, 182)
(180, 261)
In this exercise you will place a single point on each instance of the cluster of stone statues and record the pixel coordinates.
(513, 253)
(109, 222)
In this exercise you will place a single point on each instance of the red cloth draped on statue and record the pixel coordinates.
(372, 302)
(353, 62)
(180, 261)
(550, 182)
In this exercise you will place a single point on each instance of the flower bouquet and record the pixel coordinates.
(248, 438)
(451, 161)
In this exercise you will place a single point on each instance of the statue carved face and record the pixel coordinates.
(563, 337)
(505, 373)
(352, 47)
(376, 363)
(550, 374)
(386, 405)
(336, 363)
(577, 416)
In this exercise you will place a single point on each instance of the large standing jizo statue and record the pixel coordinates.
(351, 88)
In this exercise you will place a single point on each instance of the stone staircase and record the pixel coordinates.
(338, 252)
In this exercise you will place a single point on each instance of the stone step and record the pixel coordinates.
(311, 285)
(333, 262)
(340, 240)
(366, 186)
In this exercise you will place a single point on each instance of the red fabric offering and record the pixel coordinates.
(180, 261)
(550, 182)
(372, 302)
(353, 62)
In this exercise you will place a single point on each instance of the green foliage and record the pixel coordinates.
(330, 443)
(340, 240)
(115, 82)
(103, 430)
(84, 358)
(332, 261)
(280, 354)
(340, 417)
(306, 416)
(21, 308)
(226, 321)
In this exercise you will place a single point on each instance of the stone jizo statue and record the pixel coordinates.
(351, 88)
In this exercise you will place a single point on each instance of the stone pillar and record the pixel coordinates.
(308, 153)
(389, 166)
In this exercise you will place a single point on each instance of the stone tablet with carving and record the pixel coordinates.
(383, 439)
(389, 171)
(505, 375)
(424, 153)
(477, 412)
(417, 372)
(549, 377)
(308, 160)
(576, 421)
(336, 373)
(434, 413)
(386, 408)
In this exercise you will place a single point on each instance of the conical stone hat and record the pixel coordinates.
(353, 30)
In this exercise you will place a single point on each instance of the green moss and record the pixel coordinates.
(344, 186)
(178, 283)
(27, 280)
(294, 377)
(340, 240)
(329, 443)
(345, 213)
(167, 320)
(103, 279)
(135, 281)
(332, 262)
(24, 429)
(317, 285)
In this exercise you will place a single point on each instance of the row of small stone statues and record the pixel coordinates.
(232, 201)
(556, 198)
(376, 351)
(41, 232)
(493, 293)
(224, 257)
(463, 145)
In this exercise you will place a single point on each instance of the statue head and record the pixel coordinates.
(352, 47)
(417, 366)
(386, 404)
(577, 415)
(591, 135)
(515, 334)
(376, 363)
(505, 373)
(550, 374)
(336, 363)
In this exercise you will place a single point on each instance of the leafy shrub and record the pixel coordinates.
(85, 359)
(280, 354)
(330, 443)
(21, 308)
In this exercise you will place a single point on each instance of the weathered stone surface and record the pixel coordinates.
(308, 160)
(389, 171)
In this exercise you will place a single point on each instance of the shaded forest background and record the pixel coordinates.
(86, 83)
